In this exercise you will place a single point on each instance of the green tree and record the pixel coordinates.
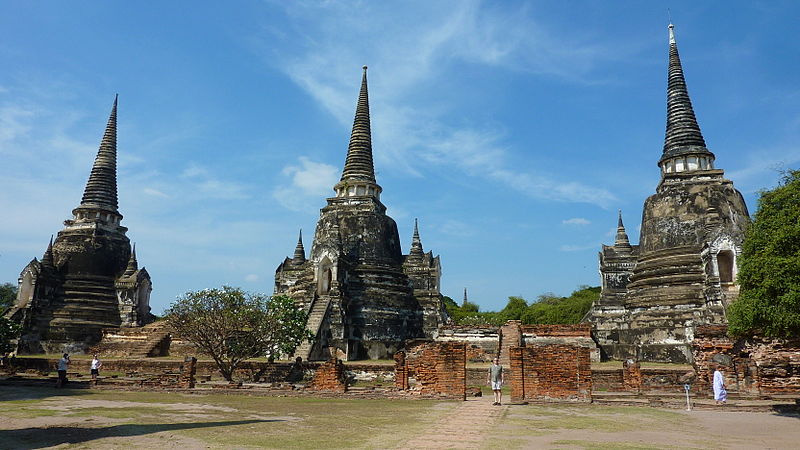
(514, 309)
(769, 266)
(8, 295)
(231, 325)
(550, 309)
(8, 332)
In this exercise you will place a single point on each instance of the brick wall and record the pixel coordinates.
(510, 336)
(550, 372)
(439, 368)
(329, 376)
(755, 365)
(631, 376)
(400, 371)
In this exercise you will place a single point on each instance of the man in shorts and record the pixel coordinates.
(63, 365)
(495, 380)
(95, 367)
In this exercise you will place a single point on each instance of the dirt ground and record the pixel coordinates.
(49, 418)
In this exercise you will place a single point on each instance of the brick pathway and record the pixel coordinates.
(465, 427)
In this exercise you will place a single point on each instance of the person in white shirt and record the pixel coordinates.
(63, 365)
(96, 365)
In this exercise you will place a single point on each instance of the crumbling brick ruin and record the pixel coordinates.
(550, 372)
(362, 294)
(439, 368)
(329, 376)
(683, 272)
(756, 365)
(631, 376)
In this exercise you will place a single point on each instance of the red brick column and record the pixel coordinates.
(400, 371)
(632, 376)
(451, 370)
(517, 378)
(510, 336)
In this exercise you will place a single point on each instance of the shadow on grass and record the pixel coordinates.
(9, 392)
(52, 436)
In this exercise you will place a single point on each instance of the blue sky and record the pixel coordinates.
(512, 130)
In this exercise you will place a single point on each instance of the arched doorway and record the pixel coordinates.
(725, 265)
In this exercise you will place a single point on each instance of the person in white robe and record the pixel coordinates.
(720, 394)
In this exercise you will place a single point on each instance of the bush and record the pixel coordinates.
(769, 266)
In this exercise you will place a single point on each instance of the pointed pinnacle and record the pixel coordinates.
(358, 165)
(416, 242)
(621, 240)
(683, 134)
(101, 189)
(133, 264)
(299, 251)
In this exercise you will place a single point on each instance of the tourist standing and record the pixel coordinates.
(95, 368)
(63, 365)
(495, 380)
(720, 394)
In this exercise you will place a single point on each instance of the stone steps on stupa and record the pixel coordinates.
(315, 318)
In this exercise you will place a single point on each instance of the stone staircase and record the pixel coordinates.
(319, 309)
(134, 342)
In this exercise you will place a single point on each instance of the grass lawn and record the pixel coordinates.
(38, 417)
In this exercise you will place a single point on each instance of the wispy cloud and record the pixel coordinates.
(308, 181)
(576, 221)
(414, 52)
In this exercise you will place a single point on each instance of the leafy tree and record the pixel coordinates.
(231, 325)
(769, 266)
(514, 309)
(8, 295)
(8, 331)
(550, 309)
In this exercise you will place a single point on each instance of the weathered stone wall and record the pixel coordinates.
(483, 342)
(439, 368)
(551, 373)
(757, 365)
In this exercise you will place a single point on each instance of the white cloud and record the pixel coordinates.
(252, 278)
(308, 181)
(576, 221)
(155, 192)
(414, 51)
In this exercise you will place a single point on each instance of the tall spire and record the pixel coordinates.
(683, 134)
(416, 242)
(133, 264)
(101, 189)
(358, 165)
(299, 251)
(464, 303)
(621, 241)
